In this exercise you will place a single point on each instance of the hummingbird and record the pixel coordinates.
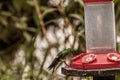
(60, 57)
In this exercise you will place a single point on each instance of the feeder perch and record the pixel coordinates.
(101, 59)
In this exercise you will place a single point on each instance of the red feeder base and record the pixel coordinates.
(96, 61)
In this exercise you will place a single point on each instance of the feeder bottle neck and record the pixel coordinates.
(95, 1)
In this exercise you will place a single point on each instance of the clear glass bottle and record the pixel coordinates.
(100, 26)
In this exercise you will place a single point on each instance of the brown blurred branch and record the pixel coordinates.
(38, 11)
(42, 24)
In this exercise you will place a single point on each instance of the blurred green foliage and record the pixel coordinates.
(21, 23)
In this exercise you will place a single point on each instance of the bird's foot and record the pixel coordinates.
(64, 61)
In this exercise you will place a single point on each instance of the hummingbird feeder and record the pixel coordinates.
(101, 58)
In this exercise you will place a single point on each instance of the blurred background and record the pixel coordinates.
(32, 32)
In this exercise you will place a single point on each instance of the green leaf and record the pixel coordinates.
(51, 21)
(18, 4)
(22, 26)
(36, 19)
(1, 5)
(3, 21)
(81, 2)
(116, 1)
(31, 29)
(79, 17)
(27, 36)
(118, 77)
(6, 13)
(47, 11)
(1, 64)
(30, 2)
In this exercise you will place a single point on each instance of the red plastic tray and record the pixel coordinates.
(96, 61)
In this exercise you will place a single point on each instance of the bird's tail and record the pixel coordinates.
(53, 64)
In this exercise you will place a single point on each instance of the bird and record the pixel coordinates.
(60, 57)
